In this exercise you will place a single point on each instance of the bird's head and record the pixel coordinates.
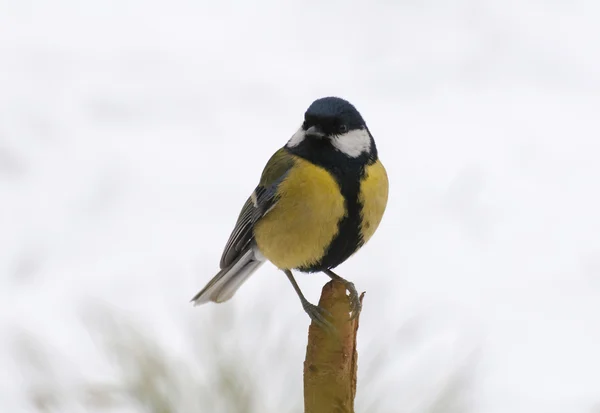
(333, 124)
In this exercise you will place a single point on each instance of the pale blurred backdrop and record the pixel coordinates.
(131, 133)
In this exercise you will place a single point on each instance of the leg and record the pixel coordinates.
(355, 304)
(316, 313)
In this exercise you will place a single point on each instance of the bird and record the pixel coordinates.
(319, 199)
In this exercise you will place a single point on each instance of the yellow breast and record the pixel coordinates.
(301, 225)
(373, 197)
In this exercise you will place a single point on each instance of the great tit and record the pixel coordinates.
(319, 200)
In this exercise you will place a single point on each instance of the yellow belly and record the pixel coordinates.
(373, 197)
(299, 228)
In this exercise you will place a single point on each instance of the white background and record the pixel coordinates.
(132, 132)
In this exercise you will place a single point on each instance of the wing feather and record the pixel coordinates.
(258, 205)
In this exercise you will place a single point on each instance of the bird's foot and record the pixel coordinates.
(319, 316)
(355, 304)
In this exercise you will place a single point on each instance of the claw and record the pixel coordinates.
(355, 304)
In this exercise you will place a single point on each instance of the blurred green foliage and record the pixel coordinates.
(148, 377)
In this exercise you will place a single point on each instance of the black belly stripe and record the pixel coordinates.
(348, 173)
(349, 239)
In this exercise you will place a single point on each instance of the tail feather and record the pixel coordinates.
(227, 281)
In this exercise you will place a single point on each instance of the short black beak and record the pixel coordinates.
(315, 131)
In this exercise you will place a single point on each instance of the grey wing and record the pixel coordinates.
(258, 205)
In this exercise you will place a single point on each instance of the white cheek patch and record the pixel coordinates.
(353, 143)
(297, 138)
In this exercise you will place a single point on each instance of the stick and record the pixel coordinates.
(331, 360)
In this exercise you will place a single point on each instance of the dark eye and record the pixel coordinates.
(343, 128)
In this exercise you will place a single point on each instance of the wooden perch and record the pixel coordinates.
(331, 359)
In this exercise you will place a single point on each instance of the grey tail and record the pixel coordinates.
(224, 285)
